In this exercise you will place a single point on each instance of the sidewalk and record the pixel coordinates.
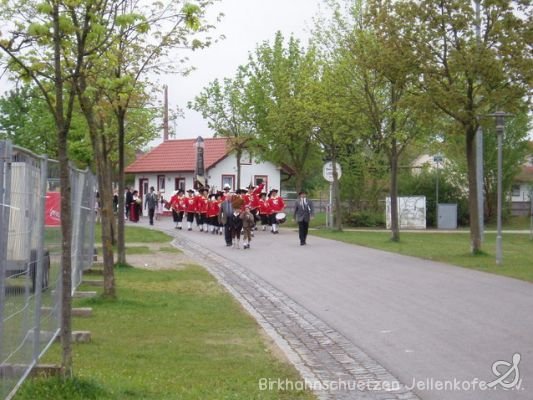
(365, 316)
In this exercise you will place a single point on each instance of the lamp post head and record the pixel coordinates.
(199, 142)
(500, 120)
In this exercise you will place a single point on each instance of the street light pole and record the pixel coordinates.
(500, 127)
(437, 159)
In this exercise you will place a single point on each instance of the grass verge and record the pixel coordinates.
(450, 248)
(136, 235)
(169, 335)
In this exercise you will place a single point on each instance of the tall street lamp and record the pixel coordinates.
(437, 159)
(500, 128)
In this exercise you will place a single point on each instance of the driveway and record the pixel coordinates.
(436, 327)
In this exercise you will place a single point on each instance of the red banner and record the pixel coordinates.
(53, 209)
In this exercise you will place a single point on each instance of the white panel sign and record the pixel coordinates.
(411, 212)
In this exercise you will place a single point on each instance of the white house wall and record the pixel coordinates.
(525, 192)
(169, 183)
(228, 166)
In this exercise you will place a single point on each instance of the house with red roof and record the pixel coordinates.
(171, 166)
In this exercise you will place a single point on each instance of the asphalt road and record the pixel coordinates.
(432, 325)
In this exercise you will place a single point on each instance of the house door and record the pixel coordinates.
(143, 187)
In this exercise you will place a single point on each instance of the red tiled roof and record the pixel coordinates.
(179, 156)
(525, 175)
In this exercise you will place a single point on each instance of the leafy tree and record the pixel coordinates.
(34, 37)
(464, 76)
(26, 121)
(515, 149)
(281, 93)
(380, 73)
(227, 111)
(144, 37)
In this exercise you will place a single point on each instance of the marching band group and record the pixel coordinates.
(231, 213)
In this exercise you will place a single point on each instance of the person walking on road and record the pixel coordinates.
(150, 202)
(303, 212)
(226, 210)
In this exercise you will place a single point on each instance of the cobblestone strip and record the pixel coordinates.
(332, 366)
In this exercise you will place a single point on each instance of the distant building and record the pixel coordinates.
(171, 165)
(521, 190)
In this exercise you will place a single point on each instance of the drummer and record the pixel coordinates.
(276, 205)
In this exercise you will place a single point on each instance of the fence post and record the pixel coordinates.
(5, 181)
(40, 257)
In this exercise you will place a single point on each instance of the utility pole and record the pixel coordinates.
(165, 114)
(500, 129)
(479, 144)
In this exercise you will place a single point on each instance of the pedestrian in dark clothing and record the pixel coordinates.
(303, 212)
(150, 202)
(226, 210)
(235, 227)
(127, 201)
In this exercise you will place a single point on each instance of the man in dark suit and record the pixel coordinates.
(150, 202)
(224, 217)
(303, 212)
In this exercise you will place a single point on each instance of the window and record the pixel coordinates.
(228, 180)
(161, 183)
(246, 158)
(258, 179)
(515, 190)
(179, 183)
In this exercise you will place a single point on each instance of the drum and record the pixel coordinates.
(281, 217)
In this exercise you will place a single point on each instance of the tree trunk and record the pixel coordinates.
(106, 195)
(395, 226)
(298, 182)
(121, 242)
(104, 187)
(66, 212)
(475, 236)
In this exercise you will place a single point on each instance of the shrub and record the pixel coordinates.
(364, 219)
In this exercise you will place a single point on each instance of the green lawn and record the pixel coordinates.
(170, 335)
(452, 248)
(134, 234)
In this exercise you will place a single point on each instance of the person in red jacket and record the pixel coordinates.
(190, 208)
(276, 206)
(254, 194)
(213, 208)
(201, 209)
(263, 209)
(178, 207)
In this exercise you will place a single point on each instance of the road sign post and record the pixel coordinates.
(327, 172)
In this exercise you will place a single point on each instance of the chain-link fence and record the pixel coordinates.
(30, 256)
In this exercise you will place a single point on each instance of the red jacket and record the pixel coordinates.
(276, 204)
(213, 208)
(257, 191)
(174, 202)
(201, 204)
(264, 207)
(190, 204)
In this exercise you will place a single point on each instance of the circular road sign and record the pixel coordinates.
(327, 171)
